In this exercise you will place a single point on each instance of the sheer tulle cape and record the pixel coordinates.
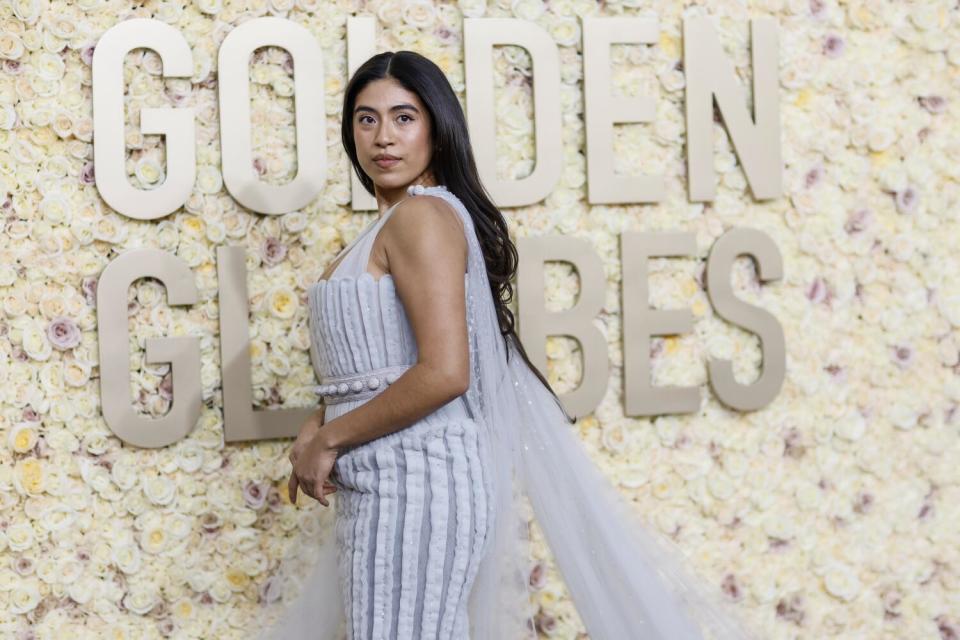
(625, 581)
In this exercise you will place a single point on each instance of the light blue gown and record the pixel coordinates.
(413, 508)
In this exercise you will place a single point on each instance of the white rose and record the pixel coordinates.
(159, 490)
(8, 117)
(633, 476)
(149, 171)
(20, 536)
(96, 441)
(180, 526)
(903, 416)
(209, 179)
(216, 231)
(76, 373)
(24, 597)
(477, 8)
(8, 275)
(82, 590)
(720, 485)
(807, 495)
(58, 517)
(851, 426)
(85, 405)
(193, 253)
(419, 14)
(35, 343)
(672, 80)
(389, 12)
(56, 208)
(69, 571)
(221, 590)
(528, 10)
(613, 437)
(127, 557)
(63, 441)
(210, 7)
(778, 525)
(666, 485)
(140, 600)
(48, 66)
(125, 472)
(565, 31)
(295, 221)
(841, 582)
(11, 46)
(167, 235)
(189, 456)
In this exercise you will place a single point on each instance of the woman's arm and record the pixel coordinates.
(427, 256)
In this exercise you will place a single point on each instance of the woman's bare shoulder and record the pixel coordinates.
(425, 219)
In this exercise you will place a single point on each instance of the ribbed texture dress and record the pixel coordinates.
(413, 507)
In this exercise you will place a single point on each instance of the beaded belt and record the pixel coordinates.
(356, 386)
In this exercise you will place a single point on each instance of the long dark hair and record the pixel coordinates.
(454, 167)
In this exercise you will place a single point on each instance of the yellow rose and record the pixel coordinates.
(153, 539)
(282, 302)
(29, 476)
(22, 437)
(237, 579)
(183, 610)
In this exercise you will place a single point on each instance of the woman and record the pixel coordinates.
(435, 420)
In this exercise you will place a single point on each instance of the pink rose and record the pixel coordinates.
(63, 333)
(273, 251)
(254, 494)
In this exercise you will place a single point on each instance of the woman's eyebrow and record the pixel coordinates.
(396, 107)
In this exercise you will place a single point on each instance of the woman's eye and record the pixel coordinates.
(408, 118)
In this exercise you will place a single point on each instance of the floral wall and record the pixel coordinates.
(830, 513)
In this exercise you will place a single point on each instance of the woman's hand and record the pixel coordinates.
(307, 433)
(312, 469)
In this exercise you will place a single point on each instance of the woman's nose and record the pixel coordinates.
(384, 135)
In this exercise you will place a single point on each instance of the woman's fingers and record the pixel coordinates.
(320, 495)
(294, 483)
(292, 488)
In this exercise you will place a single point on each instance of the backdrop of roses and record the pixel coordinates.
(831, 513)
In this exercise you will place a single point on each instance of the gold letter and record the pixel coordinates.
(640, 322)
(577, 322)
(479, 36)
(602, 110)
(763, 250)
(311, 119)
(176, 125)
(756, 140)
(240, 421)
(182, 352)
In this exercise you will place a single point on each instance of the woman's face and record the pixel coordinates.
(390, 121)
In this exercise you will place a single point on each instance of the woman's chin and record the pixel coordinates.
(389, 181)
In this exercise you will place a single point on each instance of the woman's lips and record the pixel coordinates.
(386, 163)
